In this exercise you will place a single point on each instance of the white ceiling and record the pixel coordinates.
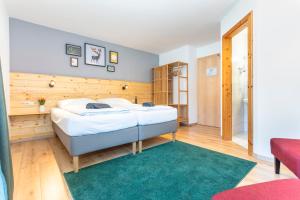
(150, 25)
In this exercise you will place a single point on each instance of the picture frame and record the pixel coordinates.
(73, 62)
(94, 55)
(73, 50)
(110, 68)
(113, 57)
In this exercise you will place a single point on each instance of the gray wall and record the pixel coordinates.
(39, 49)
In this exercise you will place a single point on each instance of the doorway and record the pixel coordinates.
(237, 82)
(209, 91)
(239, 88)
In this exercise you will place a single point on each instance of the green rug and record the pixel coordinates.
(167, 172)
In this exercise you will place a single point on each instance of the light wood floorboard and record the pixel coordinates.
(38, 165)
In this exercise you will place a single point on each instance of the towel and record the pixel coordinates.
(148, 104)
(97, 106)
(83, 111)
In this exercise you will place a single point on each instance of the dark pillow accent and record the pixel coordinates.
(148, 104)
(97, 106)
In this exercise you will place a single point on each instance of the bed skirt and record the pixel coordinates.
(78, 145)
(153, 130)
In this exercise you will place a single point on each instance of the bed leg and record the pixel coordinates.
(134, 148)
(174, 136)
(76, 163)
(140, 146)
(277, 166)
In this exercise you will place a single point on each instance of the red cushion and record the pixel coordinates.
(288, 152)
(288, 189)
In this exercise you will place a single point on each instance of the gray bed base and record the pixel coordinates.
(78, 145)
(153, 130)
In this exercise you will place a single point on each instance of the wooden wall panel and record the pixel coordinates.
(30, 126)
(26, 89)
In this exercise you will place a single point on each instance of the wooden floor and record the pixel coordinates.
(38, 165)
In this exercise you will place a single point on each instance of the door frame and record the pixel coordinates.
(246, 22)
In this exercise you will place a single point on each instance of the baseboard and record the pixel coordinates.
(192, 124)
(264, 158)
(206, 125)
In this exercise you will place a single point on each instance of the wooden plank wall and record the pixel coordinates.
(26, 89)
(27, 127)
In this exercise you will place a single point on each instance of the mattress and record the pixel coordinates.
(155, 115)
(145, 115)
(77, 125)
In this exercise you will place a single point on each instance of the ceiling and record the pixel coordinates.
(150, 25)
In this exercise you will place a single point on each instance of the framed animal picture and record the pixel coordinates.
(95, 55)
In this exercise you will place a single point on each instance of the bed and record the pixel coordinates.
(82, 131)
(152, 121)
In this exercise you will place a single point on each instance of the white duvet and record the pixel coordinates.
(81, 110)
(78, 106)
(139, 107)
(78, 125)
(144, 115)
(155, 116)
(75, 120)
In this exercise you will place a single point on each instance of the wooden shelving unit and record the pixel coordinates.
(170, 87)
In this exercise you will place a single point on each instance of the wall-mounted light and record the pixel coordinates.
(125, 87)
(52, 83)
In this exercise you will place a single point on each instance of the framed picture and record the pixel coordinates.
(73, 50)
(111, 68)
(113, 57)
(74, 62)
(95, 55)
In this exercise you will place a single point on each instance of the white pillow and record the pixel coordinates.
(74, 102)
(115, 101)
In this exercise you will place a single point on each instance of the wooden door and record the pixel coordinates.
(209, 91)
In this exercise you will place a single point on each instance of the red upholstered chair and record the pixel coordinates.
(288, 189)
(286, 151)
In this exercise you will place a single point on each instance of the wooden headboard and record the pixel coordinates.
(25, 89)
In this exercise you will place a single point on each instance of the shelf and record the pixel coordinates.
(175, 73)
(162, 79)
(182, 119)
(178, 105)
(31, 113)
(161, 92)
(177, 64)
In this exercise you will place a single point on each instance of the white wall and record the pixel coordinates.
(276, 68)
(208, 50)
(4, 48)
(186, 54)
